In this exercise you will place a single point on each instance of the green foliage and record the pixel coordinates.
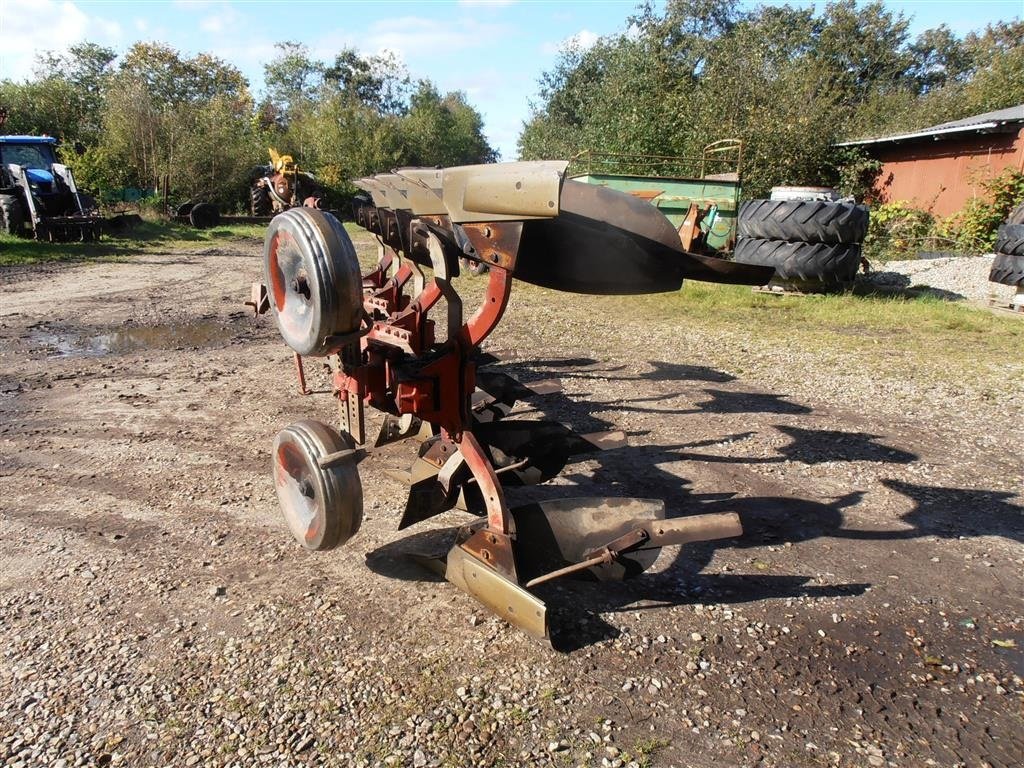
(157, 114)
(855, 172)
(359, 116)
(974, 228)
(897, 230)
(790, 82)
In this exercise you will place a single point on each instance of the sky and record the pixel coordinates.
(493, 50)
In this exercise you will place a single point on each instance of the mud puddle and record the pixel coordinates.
(130, 338)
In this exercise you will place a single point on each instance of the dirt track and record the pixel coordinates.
(155, 612)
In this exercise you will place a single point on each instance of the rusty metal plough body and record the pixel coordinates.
(385, 350)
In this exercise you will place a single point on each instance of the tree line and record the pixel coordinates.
(790, 82)
(155, 113)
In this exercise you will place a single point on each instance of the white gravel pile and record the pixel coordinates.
(966, 276)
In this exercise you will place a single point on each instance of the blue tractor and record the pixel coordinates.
(38, 195)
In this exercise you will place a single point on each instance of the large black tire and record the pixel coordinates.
(260, 196)
(1007, 269)
(12, 218)
(204, 216)
(1016, 215)
(809, 221)
(1010, 239)
(801, 261)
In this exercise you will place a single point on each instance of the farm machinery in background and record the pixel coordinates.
(700, 196)
(281, 185)
(810, 236)
(38, 195)
(431, 381)
(274, 188)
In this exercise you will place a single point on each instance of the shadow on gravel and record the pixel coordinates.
(723, 401)
(650, 471)
(955, 512)
(575, 607)
(568, 368)
(809, 446)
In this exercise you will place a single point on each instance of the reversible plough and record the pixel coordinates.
(376, 333)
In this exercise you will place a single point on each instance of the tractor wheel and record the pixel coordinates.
(323, 507)
(12, 218)
(1016, 215)
(314, 280)
(808, 221)
(1010, 239)
(204, 216)
(801, 261)
(260, 196)
(1007, 269)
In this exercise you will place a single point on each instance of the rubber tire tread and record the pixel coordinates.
(260, 200)
(1007, 269)
(1016, 215)
(1010, 239)
(801, 261)
(809, 221)
(11, 214)
(204, 216)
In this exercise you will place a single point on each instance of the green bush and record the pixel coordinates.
(897, 230)
(900, 231)
(973, 229)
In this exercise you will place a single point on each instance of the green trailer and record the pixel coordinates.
(707, 187)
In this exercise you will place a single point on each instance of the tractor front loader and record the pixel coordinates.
(38, 195)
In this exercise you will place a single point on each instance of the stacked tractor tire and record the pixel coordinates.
(810, 242)
(1008, 265)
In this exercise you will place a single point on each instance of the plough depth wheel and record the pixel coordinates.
(314, 279)
(323, 505)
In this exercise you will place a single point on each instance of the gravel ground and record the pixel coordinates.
(154, 611)
(956, 277)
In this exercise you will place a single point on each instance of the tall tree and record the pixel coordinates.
(292, 80)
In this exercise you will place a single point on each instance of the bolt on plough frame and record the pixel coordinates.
(527, 222)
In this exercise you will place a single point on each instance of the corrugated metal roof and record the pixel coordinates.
(1010, 114)
(983, 122)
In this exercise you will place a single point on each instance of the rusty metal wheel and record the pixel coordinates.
(323, 507)
(314, 279)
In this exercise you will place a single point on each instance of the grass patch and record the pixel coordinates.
(147, 236)
(878, 336)
(646, 749)
(846, 320)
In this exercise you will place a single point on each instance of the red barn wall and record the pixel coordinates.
(941, 175)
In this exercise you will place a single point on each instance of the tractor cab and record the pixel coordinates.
(33, 153)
